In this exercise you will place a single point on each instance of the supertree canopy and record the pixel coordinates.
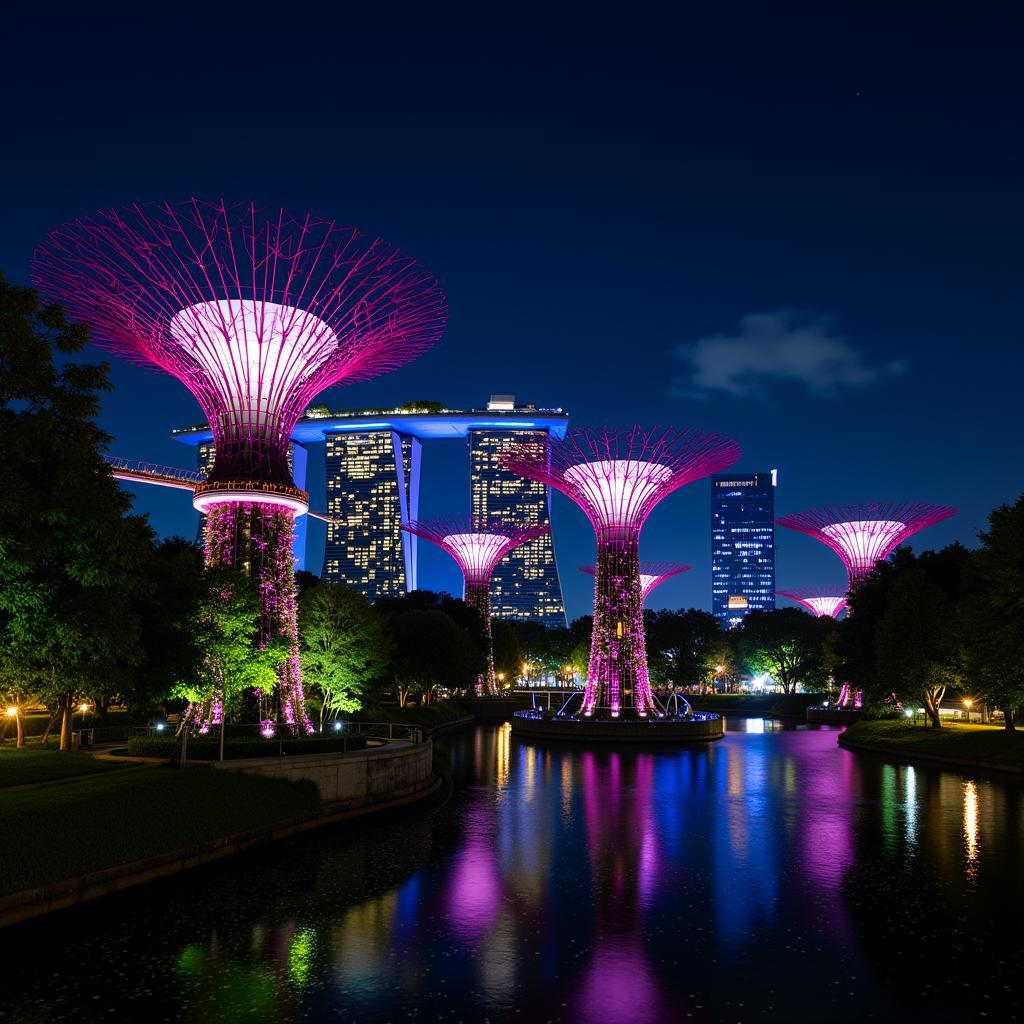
(652, 574)
(255, 313)
(477, 548)
(818, 601)
(863, 535)
(617, 477)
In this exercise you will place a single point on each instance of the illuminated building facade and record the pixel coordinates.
(372, 488)
(525, 584)
(742, 545)
(372, 471)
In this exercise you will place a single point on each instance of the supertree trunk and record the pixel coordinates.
(617, 675)
(478, 596)
(257, 539)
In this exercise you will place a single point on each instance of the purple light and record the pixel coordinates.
(652, 574)
(255, 314)
(864, 535)
(818, 602)
(267, 729)
(477, 548)
(617, 477)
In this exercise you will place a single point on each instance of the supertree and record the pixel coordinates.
(255, 313)
(617, 477)
(477, 547)
(864, 535)
(652, 574)
(818, 601)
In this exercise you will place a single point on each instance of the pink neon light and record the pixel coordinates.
(617, 477)
(476, 553)
(863, 535)
(616, 492)
(209, 499)
(817, 601)
(652, 574)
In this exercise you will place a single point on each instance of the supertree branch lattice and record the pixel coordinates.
(617, 477)
(818, 601)
(255, 313)
(477, 548)
(863, 535)
(652, 574)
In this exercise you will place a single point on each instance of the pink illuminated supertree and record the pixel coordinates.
(864, 535)
(617, 477)
(255, 313)
(818, 601)
(477, 548)
(652, 574)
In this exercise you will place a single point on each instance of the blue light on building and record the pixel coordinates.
(742, 545)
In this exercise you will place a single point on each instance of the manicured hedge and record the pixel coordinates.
(207, 748)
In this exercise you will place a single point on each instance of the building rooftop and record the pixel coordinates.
(425, 420)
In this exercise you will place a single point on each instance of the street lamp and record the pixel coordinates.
(967, 707)
(12, 712)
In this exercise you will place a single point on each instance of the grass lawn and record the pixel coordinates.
(60, 831)
(46, 764)
(972, 742)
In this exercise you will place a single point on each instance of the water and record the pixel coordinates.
(769, 876)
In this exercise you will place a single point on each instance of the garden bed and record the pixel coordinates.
(207, 748)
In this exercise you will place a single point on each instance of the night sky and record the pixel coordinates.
(797, 225)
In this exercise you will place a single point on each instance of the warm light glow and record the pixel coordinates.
(255, 353)
(967, 703)
(866, 542)
(83, 708)
(823, 605)
(476, 553)
(617, 492)
(12, 712)
(286, 502)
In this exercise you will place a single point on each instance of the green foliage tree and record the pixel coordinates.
(345, 646)
(684, 648)
(919, 642)
(508, 654)
(993, 613)
(430, 651)
(72, 559)
(788, 644)
(226, 632)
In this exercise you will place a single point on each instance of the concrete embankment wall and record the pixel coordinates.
(350, 780)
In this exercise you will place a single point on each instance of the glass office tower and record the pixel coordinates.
(742, 545)
(525, 584)
(372, 488)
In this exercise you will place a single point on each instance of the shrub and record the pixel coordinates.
(207, 748)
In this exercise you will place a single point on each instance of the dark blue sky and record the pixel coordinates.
(798, 225)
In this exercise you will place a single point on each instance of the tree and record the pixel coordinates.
(508, 654)
(685, 647)
(994, 610)
(226, 631)
(345, 646)
(788, 644)
(919, 647)
(72, 559)
(430, 650)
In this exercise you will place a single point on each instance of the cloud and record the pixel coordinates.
(777, 347)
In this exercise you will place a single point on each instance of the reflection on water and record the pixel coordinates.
(768, 876)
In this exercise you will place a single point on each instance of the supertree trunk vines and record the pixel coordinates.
(617, 477)
(255, 313)
(478, 596)
(256, 539)
(477, 547)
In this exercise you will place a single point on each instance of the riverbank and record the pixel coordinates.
(983, 747)
(66, 842)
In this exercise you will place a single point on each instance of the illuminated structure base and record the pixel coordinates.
(544, 726)
(617, 680)
(478, 596)
(256, 538)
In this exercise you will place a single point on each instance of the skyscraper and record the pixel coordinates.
(372, 470)
(372, 488)
(742, 545)
(525, 584)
